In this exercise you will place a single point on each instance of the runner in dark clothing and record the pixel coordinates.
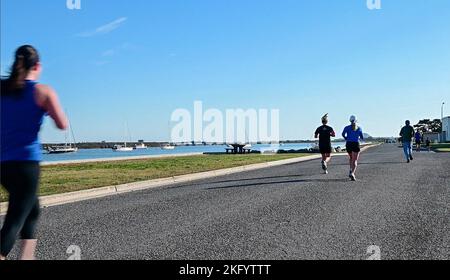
(418, 137)
(407, 133)
(324, 133)
(428, 144)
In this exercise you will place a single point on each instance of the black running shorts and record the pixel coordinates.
(353, 147)
(325, 149)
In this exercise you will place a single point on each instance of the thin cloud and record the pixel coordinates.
(104, 29)
(109, 53)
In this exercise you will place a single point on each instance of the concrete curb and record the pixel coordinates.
(60, 199)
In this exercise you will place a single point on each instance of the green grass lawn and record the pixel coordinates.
(441, 148)
(74, 177)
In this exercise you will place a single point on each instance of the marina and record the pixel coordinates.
(94, 154)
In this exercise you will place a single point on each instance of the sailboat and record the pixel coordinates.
(62, 149)
(140, 146)
(120, 148)
(67, 147)
(124, 148)
(168, 146)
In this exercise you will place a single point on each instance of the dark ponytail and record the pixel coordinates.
(26, 57)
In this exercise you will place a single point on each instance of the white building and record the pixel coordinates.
(446, 129)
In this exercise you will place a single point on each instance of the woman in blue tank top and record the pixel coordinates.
(23, 105)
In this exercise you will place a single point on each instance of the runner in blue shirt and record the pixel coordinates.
(418, 137)
(23, 105)
(352, 134)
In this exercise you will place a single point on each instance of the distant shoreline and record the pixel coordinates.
(110, 145)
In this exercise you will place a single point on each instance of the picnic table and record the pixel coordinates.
(238, 149)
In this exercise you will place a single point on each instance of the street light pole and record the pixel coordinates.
(442, 121)
(442, 111)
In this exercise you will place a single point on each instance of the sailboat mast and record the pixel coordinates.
(126, 125)
(71, 131)
(168, 131)
(127, 133)
(65, 139)
(73, 135)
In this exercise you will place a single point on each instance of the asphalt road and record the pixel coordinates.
(286, 212)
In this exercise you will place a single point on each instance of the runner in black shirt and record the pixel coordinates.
(324, 133)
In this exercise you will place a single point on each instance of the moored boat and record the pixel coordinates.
(167, 147)
(120, 148)
(62, 149)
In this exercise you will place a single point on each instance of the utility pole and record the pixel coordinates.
(442, 121)
(442, 110)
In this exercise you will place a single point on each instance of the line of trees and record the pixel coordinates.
(428, 125)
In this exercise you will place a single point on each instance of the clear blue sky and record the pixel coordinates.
(139, 60)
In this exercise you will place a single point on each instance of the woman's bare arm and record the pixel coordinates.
(48, 100)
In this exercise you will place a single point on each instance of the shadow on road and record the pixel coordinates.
(370, 163)
(240, 180)
(259, 178)
(280, 182)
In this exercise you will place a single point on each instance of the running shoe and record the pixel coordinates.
(411, 157)
(352, 177)
(324, 165)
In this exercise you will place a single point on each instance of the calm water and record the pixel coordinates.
(108, 153)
